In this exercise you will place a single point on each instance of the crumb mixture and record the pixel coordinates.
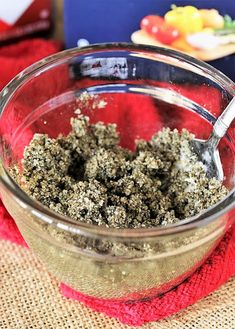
(90, 178)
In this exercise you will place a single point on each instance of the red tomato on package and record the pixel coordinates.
(157, 28)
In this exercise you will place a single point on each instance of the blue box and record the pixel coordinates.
(97, 21)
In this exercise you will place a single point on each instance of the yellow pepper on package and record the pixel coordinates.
(186, 19)
(212, 18)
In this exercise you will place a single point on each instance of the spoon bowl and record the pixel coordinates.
(207, 151)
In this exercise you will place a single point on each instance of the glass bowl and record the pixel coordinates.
(141, 89)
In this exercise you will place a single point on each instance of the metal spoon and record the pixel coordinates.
(207, 151)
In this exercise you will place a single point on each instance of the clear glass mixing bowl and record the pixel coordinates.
(112, 83)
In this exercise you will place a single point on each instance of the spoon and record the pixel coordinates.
(207, 151)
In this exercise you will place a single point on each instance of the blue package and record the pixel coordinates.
(98, 21)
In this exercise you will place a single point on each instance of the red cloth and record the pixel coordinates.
(13, 59)
(16, 57)
(214, 272)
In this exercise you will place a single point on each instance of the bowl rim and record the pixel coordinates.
(69, 225)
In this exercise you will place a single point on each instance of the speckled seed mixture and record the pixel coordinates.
(90, 178)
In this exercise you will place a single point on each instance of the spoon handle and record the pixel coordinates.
(224, 120)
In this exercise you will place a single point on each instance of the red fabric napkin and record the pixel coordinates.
(215, 271)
